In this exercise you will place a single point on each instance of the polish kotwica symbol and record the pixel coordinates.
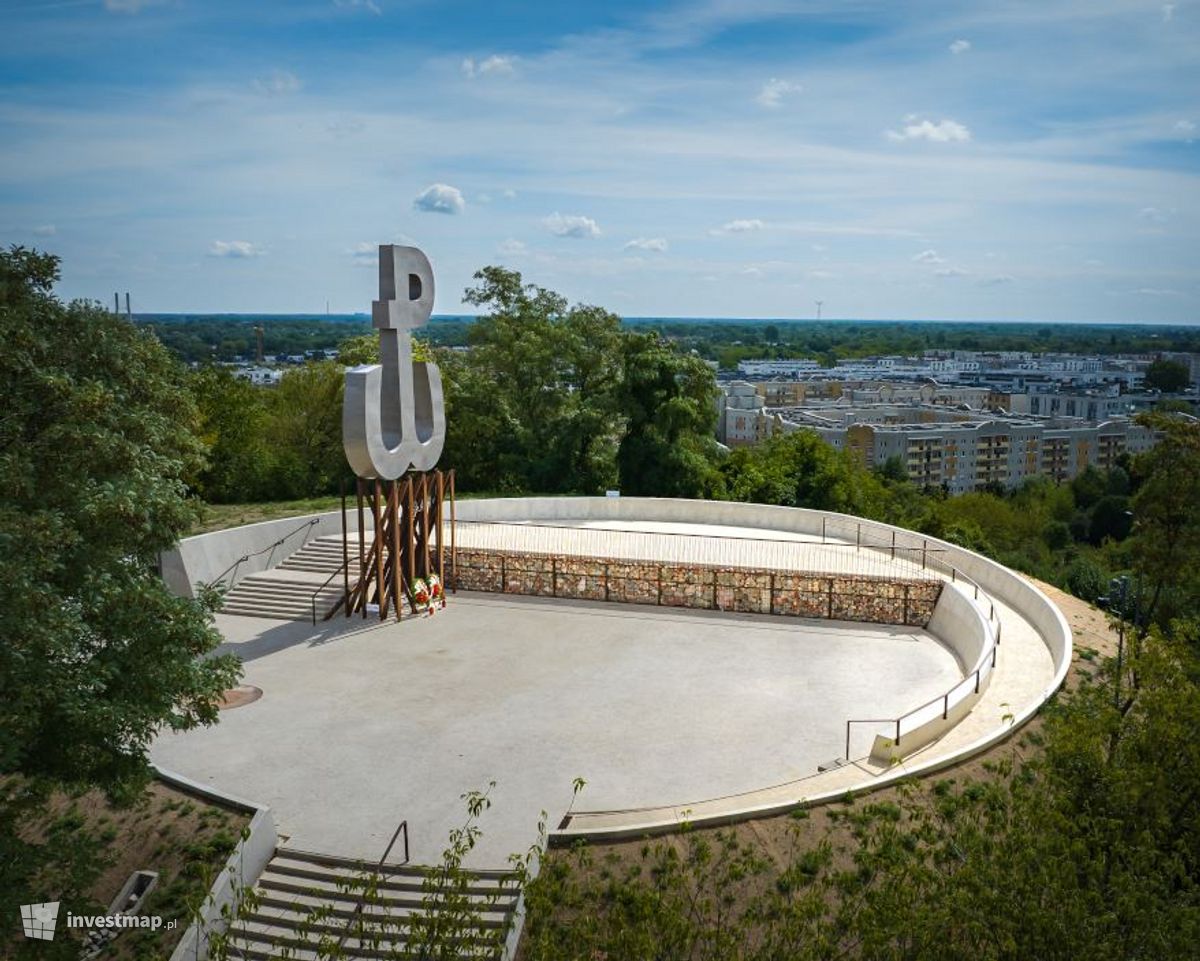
(393, 417)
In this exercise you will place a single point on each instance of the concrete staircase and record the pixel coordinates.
(286, 592)
(307, 903)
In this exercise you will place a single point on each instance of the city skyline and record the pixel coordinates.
(1023, 161)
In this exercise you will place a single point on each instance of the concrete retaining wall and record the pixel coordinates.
(203, 558)
(844, 597)
(962, 623)
(242, 868)
(994, 579)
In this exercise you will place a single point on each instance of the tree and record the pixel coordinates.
(540, 377)
(1167, 376)
(96, 655)
(668, 447)
(799, 469)
(1166, 512)
(304, 425)
(232, 423)
(95, 443)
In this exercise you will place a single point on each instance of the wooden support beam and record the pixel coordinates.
(362, 548)
(394, 513)
(441, 551)
(379, 598)
(453, 546)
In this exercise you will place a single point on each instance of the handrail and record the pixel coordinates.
(339, 569)
(362, 900)
(987, 654)
(270, 547)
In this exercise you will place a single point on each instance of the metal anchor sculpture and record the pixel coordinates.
(393, 417)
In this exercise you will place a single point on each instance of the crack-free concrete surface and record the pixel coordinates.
(362, 724)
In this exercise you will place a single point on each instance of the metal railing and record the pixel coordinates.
(361, 903)
(623, 545)
(984, 667)
(315, 594)
(270, 547)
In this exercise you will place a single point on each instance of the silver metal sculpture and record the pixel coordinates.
(393, 417)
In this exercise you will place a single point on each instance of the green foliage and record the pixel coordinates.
(1166, 531)
(96, 655)
(668, 399)
(531, 406)
(95, 446)
(1168, 376)
(1090, 849)
(270, 443)
(799, 469)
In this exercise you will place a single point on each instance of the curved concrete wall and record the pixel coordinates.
(993, 578)
(203, 558)
(962, 622)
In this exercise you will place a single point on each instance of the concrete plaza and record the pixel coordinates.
(362, 724)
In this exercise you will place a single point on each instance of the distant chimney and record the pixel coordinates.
(128, 311)
(116, 302)
(258, 333)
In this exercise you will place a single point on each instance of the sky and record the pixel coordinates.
(981, 160)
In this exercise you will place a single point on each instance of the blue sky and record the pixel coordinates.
(996, 159)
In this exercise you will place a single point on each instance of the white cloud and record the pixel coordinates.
(774, 90)
(368, 5)
(998, 280)
(740, 226)
(752, 272)
(45, 230)
(571, 226)
(944, 131)
(364, 254)
(928, 257)
(130, 6)
(278, 83)
(657, 244)
(950, 272)
(511, 248)
(440, 199)
(494, 65)
(1153, 215)
(509, 194)
(235, 249)
(1168, 12)
(1185, 129)
(960, 46)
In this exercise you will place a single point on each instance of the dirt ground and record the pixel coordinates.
(185, 839)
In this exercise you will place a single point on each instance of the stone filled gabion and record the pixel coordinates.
(844, 597)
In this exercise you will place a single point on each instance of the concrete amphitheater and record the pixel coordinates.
(787, 657)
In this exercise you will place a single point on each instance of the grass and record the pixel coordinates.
(220, 516)
(216, 517)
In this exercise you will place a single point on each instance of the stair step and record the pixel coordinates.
(377, 909)
(282, 937)
(331, 895)
(383, 884)
(391, 868)
(376, 926)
